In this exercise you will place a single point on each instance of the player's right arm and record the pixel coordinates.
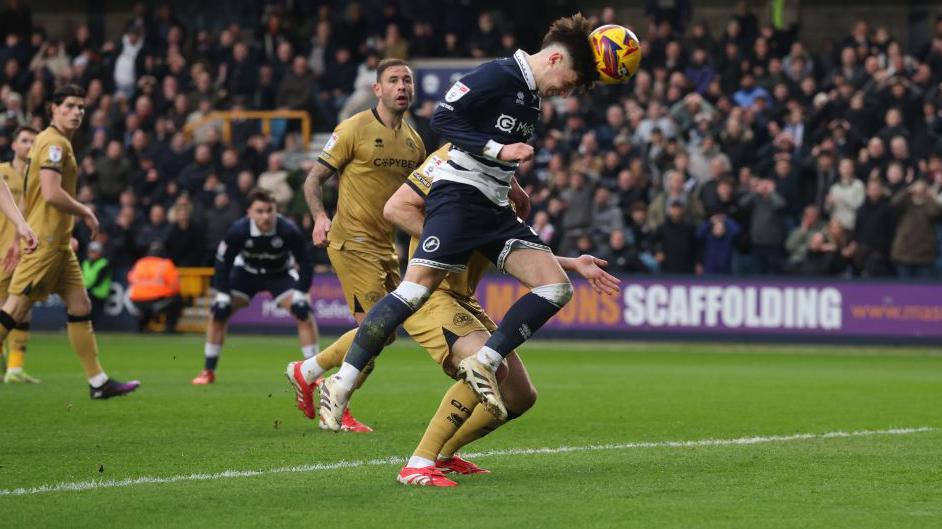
(337, 153)
(465, 98)
(406, 209)
(313, 195)
(226, 253)
(50, 182)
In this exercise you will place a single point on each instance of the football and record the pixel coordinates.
(617, 53)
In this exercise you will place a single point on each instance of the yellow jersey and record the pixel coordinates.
(51, 150)
(372, 160)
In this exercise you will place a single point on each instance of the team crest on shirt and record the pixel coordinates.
(462, 319)
(456, 92)
(411, 144)
(277, 242)
(250, 243)
(55, 153)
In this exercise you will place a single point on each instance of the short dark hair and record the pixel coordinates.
(385, 64)
(65, 91)
(573, 34)
(23, 128)
(260, 195)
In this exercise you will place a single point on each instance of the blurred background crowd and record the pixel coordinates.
(735, 150)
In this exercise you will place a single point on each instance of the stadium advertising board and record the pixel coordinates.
(691, 307)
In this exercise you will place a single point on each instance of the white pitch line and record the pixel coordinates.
(396, 460)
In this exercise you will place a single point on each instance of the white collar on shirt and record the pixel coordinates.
(521, 57)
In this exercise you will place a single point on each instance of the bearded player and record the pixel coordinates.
(14, 174)
(373, 153)
(488, 115)
(53, 268)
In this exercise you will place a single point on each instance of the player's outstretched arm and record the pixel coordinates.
(590, 268)
(50, 183)
(313, 194)
(406, 209)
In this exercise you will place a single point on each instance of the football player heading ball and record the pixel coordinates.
(488, 116)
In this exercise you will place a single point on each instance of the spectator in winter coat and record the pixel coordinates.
(915, 244)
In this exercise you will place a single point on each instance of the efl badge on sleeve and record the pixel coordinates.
(55, 153)
(331, 142)
(456, 92)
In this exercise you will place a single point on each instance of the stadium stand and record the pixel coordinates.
(736, 150)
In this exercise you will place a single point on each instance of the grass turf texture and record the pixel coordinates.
(589, 394)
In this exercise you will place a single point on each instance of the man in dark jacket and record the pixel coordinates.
(869, 247)
(676, 242)
(114, 173)
(186, 240)
(766, 227)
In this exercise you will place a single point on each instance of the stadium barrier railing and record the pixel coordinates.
(265, 116)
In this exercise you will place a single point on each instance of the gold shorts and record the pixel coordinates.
(44, 272)
(4, 283)
(443, 319)
(364, 276)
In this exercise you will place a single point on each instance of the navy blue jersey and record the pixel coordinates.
(261, 253)
(495, 104)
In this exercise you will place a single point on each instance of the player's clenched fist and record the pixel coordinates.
(516, 152)
(321, 230)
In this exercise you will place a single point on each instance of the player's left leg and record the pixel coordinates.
(550, 290)
(16, 342)
(82, 335)
(299, 305)
(216, 335)
(16, 345)
(372, 335)
(364, 275)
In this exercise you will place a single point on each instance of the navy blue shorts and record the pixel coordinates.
(460, 220)
(246, 285)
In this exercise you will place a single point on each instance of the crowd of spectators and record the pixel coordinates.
(734, 150)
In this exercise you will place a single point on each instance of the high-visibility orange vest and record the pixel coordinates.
(153, 278)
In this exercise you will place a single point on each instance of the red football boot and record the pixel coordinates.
(350, 424)
(424, 476)
(303, 392)
(206, 376)
(459, 466)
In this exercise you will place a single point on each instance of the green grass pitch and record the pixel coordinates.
(590, 394)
